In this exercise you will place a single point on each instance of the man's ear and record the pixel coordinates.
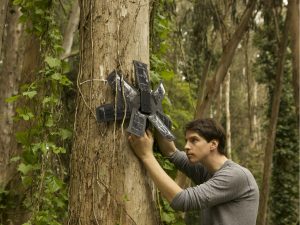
(214, 144)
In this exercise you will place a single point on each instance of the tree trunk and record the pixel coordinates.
(20, 62)
(217, 107)
(227, 109)
(3, 12)
(294, 10)
(264, 193)
(9, 84)
(108, 184)
(71, 29)
(202, 83)
(225, 61)
(251, 100)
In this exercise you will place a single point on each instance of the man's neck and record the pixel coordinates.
(214, 162)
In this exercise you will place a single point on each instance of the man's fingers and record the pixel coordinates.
(149, 134)
(129, 138)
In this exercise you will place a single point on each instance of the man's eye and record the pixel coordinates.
(194, 141)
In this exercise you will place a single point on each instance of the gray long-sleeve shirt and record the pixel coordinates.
(230, 196)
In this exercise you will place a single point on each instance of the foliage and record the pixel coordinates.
(177, 101)
(284, 197)
(285, 178)
(41, 113)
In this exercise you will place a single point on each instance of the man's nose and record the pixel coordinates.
(187, 147)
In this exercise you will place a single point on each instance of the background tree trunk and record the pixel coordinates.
(108, 183)
(201, 88)
(294, 10)
(225, 61)
(71, 29)
(3, 12)
(265, 189)
(9, 84)
(251, 99)
(227, 110)
(20, 67)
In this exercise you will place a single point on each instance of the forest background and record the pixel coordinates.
(235, 61)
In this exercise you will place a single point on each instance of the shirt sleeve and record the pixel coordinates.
(196, 172)
(222, 187)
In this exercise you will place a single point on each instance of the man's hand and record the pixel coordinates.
(142, 146)
(165, 146)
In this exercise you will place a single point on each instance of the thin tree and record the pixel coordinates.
(227, 110)
(251, 98)
(294, 10)
(225, 61)
(20, 62)
(3, 12)
(70, 30)
(265, 189)
(9, 83)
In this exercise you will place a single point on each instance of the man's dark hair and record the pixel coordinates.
(209, 129)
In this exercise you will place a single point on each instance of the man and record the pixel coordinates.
(226, 193)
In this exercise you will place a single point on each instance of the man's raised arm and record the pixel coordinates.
(165, 146)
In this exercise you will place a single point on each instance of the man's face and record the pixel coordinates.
(197, 148)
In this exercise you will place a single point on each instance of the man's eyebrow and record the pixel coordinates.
(192, 136)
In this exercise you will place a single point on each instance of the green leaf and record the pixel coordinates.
(15, 159)
(17, 2)
(36, 147)
(167, 75)
(168, 217)
(23, 19)
(54, 184)
(52, 62)
(27, 116)
(39, 11)
(27, 223)
(65, 81)
(44, 147)
(168, 166)
(60, 202)
(56, 76)
(58, 150)
(27, 180)
(12, 98)
(22, 137)
(65, 67)
(65, 134)
(49, 99)
(49, 122)
(24, 169)
(29, 94)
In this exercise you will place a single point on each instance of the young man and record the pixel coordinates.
(226, 193)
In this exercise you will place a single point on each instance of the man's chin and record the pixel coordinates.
(193, 161)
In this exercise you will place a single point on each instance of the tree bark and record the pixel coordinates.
(108, 184)
(228, 120)
(294, 10)
(71, 29)
(20, 62)
(9, 84)
(3, 12)
(202, 83)
(251, 100)
(264, 193)
(225, 61)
